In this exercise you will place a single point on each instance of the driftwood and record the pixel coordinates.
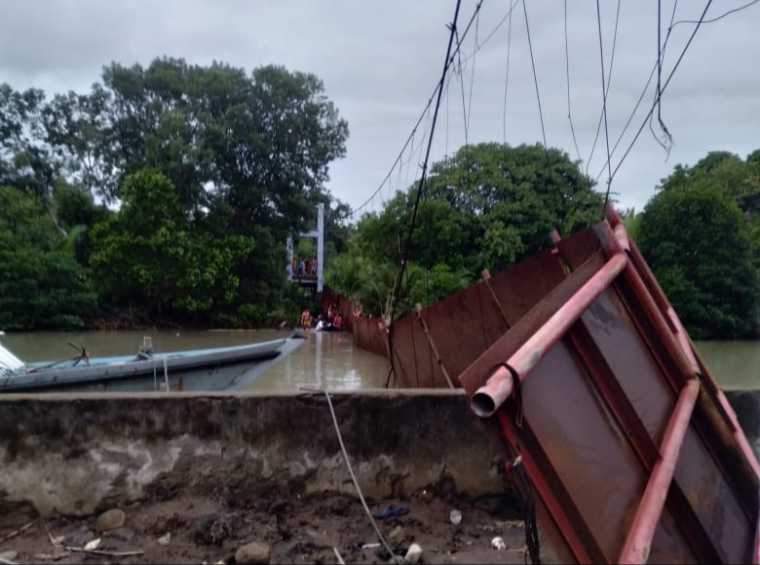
(14, 533)
(103, 552)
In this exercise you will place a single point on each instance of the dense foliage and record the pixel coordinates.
(701, 235)
(202, 172)
(41, 284)
(487, 206)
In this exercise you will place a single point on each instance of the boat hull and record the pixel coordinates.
(227, 368)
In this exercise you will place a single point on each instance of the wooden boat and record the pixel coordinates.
(222, 368)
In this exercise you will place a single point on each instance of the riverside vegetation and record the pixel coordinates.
(165, 194)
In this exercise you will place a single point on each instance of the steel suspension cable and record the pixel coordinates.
(535, 77)
(421, 186)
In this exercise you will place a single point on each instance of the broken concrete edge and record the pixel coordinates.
(79, 454)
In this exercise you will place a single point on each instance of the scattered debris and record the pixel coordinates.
(498, 543)
(213, 529)
(455, 517)
(391, 511)
(8, 557)
(165, 539)
(253, 554)
(134, 553)
(397, 535)
(14, 533)
(338, 556)
(92, 545)
(413, 554)
(110, 520)
(371, 545)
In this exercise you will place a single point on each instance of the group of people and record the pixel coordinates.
(331, 322)
(303, 268)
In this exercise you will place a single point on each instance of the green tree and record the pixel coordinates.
(41, 285)
(25, 159)
(148, 253)
(698, 242)
(487, 206)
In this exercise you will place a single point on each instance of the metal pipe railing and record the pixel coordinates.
(500, 384)
(638, 543)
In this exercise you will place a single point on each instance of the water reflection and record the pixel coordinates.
(327, 360)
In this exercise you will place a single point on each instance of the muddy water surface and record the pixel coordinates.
(326, 359)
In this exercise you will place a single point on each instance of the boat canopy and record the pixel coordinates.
(8, 360)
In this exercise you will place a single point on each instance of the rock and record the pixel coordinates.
(253, 554)
(413, 554)
(110, 520)
(396, 536)
(165, 539)
(498, 543)
(455, 517)
(213, 529)
(8, 555)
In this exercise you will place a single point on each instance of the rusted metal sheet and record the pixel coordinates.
(630, 447)
(627, 441)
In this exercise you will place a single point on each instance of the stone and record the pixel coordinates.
(253, 554)
(8, 555)
(396, 536)
(213, 529)
(498, 543)
(455, 517)
(165, 539)
(413, 554)
(110, 520)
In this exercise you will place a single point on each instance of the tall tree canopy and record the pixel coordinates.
(701, 233)
(41, 285)
(261, 143)
(200, 164)
(485, 207)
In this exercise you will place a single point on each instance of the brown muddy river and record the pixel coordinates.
(325, 360)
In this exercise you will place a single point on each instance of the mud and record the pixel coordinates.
(299, 529)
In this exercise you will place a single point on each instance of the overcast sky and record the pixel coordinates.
(380, 61)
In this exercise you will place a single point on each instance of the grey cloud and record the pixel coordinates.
(380, 61)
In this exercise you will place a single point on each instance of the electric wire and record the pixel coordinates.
(460, 72)
(642, 95)
(506, 77)
(424, 111)
(567, 77)
(472, 72)
(535, 77)
(604, 105)
(664, 87)
(717, 18)
(609, 82)
(420, 187)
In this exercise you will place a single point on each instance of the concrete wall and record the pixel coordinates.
(78, 454)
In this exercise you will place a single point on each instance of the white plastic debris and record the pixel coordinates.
(455, 517)
(371, 546)
(413, 554)
(498, 543)
(165, 539)
(92, 545)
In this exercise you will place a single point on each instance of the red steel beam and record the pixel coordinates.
(639, 540)
(499, 386)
